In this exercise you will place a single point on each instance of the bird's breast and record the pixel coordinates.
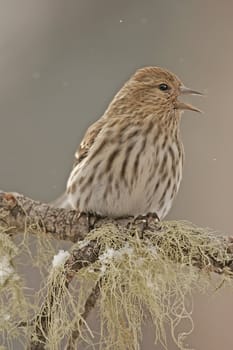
(136, 174)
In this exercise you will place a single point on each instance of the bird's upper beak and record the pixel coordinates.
(181, 105)
(186, 91)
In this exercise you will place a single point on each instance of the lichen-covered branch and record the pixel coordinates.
(164, 264)
(18, 212)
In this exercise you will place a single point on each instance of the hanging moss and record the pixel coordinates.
(152, 278)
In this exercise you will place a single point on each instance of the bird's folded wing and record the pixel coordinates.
(88, 140)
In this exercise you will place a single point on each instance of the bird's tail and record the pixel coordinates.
(61, 202)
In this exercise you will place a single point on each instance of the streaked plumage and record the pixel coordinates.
(130, 161)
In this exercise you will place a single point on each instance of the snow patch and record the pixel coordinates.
(60, 258)
(115, 254)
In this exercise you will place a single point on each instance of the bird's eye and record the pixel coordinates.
(163, 87)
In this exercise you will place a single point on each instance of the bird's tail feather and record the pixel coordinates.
(61, 202)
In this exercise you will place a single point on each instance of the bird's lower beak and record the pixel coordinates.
(186, 106)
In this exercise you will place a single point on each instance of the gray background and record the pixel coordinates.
(61, 61)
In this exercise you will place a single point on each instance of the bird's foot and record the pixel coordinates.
(143, 221)
(91, 219)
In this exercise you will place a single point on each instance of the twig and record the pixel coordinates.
(89, 305)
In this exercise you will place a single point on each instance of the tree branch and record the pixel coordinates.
(18, 212)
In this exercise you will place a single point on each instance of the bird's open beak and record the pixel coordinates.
(181, 105)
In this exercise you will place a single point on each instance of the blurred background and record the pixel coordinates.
(61, 61)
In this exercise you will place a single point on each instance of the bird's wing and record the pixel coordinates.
(92, 133)
(81, 153)
(88, 141)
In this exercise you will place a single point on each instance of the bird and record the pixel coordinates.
(130, 161)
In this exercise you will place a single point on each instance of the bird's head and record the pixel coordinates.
(160, 88)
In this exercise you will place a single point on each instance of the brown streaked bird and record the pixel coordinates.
(130, 161)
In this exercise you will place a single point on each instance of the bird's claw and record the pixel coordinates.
(143, 221)
(91, 220)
